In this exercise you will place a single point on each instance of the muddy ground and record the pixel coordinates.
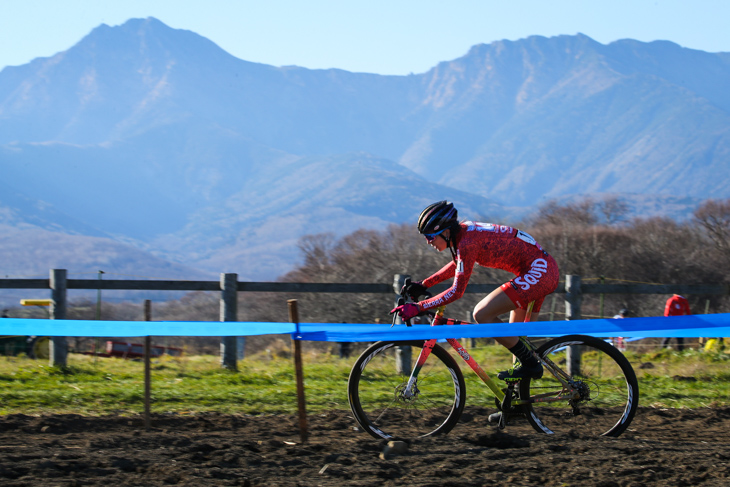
(663, 447)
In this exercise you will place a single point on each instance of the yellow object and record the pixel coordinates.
(714, 344)
(36, 302)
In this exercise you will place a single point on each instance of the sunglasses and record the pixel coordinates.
(431, 236)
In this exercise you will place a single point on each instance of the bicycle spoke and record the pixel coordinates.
(602, 396)
(376, 392)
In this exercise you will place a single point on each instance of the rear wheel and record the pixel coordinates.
(604, 391)
(376, 391)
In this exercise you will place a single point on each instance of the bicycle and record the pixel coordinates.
(598, 395)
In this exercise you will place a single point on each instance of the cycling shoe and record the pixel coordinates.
(521, 372)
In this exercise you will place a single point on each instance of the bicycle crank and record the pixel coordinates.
(506, 405)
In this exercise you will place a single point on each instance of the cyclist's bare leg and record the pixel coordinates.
(488, 310)
(497, 303)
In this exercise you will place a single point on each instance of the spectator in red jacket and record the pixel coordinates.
(676, 306)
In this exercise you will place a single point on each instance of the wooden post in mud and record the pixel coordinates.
(147, 350)
(297, 345)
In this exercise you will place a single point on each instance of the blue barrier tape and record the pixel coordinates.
(91, 328)
(715, 325)
(680, 326)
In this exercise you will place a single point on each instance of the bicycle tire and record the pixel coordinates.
(375, 386)
(609, 390)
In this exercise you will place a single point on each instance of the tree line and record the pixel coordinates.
(590, 238)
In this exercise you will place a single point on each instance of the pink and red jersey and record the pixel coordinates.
(497, 247)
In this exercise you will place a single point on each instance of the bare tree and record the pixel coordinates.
(613, 209)
(579, 213)
(714, 217)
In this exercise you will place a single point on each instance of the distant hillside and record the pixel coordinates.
(156, 138)
(291, 198)
(30, 253)
(52, 250)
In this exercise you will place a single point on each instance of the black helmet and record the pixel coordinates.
(624, 311)
(437, 218)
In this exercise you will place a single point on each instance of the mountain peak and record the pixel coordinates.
(133, 26)
(136, 32)
(533, 43)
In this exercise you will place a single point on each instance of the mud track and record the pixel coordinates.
(663, 447)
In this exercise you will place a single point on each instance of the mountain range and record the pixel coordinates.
(154, 141)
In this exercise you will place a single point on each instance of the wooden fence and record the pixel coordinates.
(229, 287)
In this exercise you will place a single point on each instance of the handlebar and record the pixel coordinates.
(401, 301)
(405, 298)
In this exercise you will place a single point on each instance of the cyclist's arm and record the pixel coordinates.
(462, 272)
(444, 273)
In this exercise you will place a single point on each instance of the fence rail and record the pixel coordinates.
(329, 287)
(229, 286)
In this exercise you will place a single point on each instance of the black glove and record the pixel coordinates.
(414, 289)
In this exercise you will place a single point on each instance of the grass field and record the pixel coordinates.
(266, 384)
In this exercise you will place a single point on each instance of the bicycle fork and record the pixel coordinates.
(411, 389)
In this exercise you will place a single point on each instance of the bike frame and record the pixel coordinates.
(426, 351)
(493, 385)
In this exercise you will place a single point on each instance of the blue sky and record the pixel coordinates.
(374, 36)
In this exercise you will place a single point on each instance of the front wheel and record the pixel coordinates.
(382, 406)
(601, 394)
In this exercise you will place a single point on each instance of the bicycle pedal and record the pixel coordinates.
(496, 418)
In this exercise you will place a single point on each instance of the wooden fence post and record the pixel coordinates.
(601, 299)
(299, 371)
(402, 354)
(58, 350)
(229, 312)
(573, 300)
(147, 378)
(552, 307)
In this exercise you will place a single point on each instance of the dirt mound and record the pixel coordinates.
(663, 447)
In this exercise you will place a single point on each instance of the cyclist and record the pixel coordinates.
(496, 247)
